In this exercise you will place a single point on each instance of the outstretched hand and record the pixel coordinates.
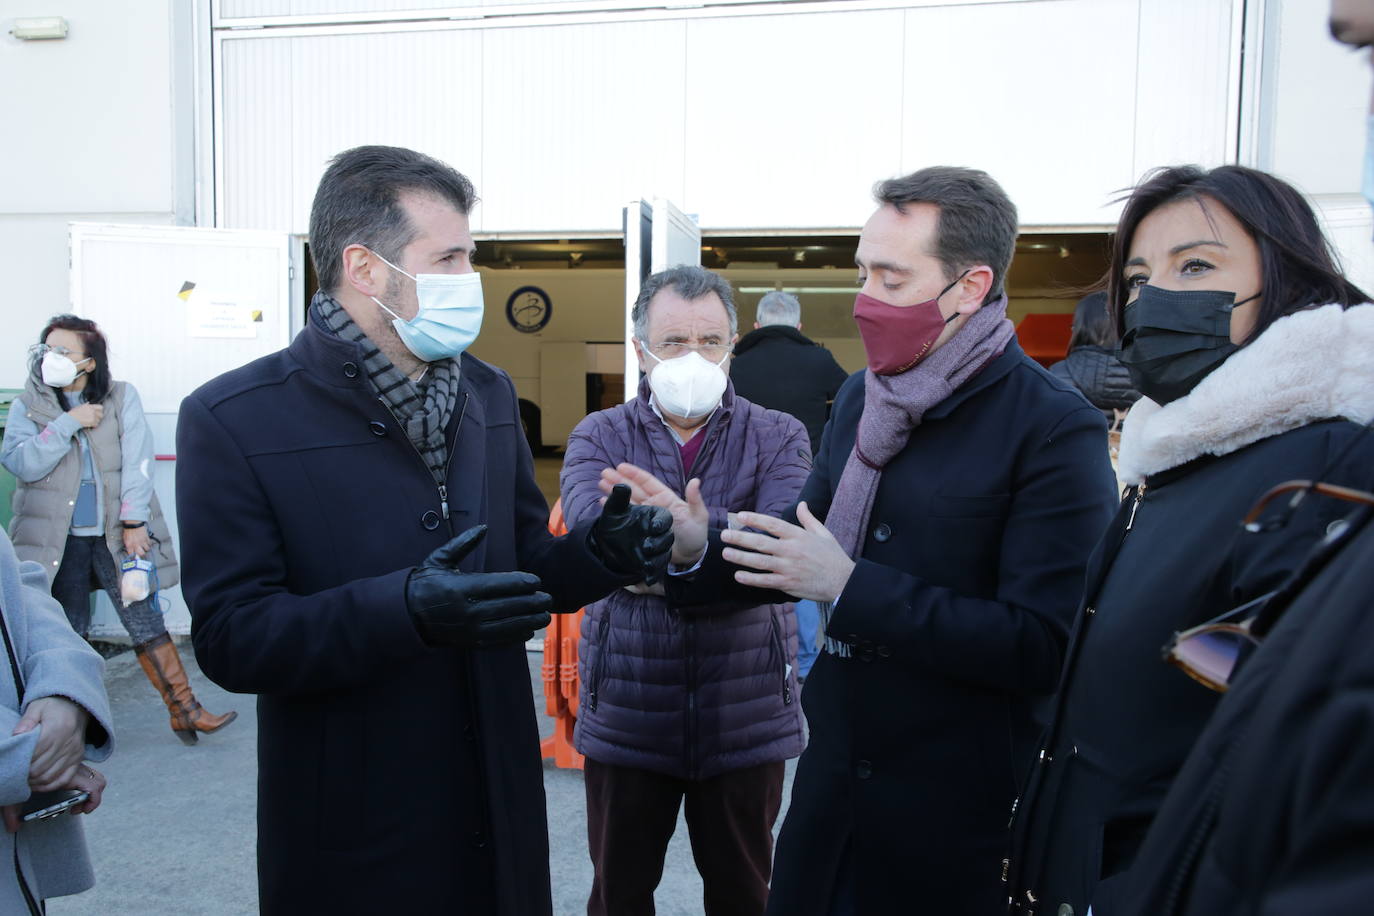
(690, 517)
(453, 608)
(632, 540)
(804, 560)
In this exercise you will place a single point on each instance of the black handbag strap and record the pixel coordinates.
(14, 659)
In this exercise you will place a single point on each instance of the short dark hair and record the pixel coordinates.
(358, 202)
(1092, 323)
(689, 282)
(99, 381)
(977, 222)
(1297, 266)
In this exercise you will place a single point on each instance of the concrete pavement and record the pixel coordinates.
(175, 834)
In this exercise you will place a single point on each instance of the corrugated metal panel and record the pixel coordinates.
(242, 9)
(789, 119)
(342, 9)
(750, 122)
(306, 99)
(1038, 95)
(1319, 92)
(255, 131)
(1183, 84)
(576, 120)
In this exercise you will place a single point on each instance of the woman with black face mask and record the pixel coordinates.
(1253, 354)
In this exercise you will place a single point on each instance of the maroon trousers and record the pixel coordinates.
(631, 815)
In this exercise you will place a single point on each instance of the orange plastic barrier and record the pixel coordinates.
(559, 673)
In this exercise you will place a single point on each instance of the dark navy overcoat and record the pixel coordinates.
(388, 772)
(959, 610)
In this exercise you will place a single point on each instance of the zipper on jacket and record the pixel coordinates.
(448, 462)
(690, 644)
(603, 634)
(1135, 505)
(782, 657)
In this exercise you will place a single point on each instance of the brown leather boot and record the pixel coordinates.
(162, 664)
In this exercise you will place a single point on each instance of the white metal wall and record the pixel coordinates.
(780, 116)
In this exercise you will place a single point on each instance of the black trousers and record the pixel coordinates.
(86, 566)
(631, 816)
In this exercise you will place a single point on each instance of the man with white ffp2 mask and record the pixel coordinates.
(698, 706)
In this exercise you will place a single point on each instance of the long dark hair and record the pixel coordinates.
(1092, 323)
(1297, 266)
(98, 383)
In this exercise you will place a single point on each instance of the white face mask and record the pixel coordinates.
(688, 386)
(58, 371)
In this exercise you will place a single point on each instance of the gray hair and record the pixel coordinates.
(358, 203)
(689, 282)
(778, 307)
(977, 222)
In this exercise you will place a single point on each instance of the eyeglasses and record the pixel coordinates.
(1210, 652)
(1299, 488)
(44, 349)
(674, 349)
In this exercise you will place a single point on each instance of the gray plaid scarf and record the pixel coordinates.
(424, 408)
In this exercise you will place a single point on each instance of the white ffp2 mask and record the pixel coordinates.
(687, 386)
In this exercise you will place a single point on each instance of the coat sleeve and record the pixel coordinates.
(59, 663)
(1063, 497)
(251, 634)
(29, 453)
(583, 461)
(136, 456)
(571, 572)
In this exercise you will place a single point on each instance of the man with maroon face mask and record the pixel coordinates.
(944, 529)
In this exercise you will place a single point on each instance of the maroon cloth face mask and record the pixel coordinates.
(897, 338)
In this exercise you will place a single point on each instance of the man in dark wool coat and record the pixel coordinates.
(354, 510)
(945, 528)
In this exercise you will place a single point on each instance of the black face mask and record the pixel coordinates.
(1174, 338)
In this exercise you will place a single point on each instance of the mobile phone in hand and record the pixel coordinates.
(42, 805)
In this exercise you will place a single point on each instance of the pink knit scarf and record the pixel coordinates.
(894, 406)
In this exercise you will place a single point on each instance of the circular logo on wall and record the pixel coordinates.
(529, 309)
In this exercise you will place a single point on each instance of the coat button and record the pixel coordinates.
(71, 502)
(1064, 910)
(884, 652)
(863, 769)
(479, 839)
(378, 427)
(430, 520)
(350, 370)
(882, 534)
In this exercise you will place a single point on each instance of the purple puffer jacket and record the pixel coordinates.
(690, 693)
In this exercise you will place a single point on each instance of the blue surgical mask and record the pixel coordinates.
(1367, 188)
(449, 317)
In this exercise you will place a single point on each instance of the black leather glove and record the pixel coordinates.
(452, 608)
(633, 540)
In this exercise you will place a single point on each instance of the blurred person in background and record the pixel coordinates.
(85, 510)
(1091, 365)
(777, 366)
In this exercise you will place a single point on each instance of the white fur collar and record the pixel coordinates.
(1312, 365)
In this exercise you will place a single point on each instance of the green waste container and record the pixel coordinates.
(7, 481)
